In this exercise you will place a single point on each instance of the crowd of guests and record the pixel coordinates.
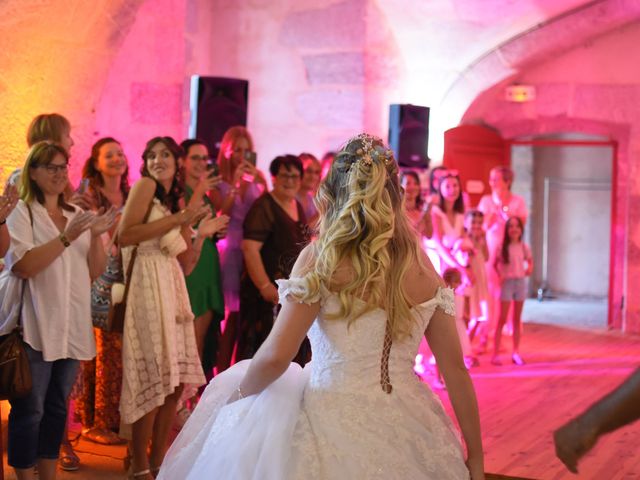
(207, 240)
(479, 252)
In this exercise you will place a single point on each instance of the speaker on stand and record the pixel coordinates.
(409, 135)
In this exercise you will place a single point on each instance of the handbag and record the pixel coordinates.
(15, 372)
(118, 306)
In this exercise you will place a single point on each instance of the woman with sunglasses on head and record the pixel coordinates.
(56, 248)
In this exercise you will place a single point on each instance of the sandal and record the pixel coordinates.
(102, 436)
(68, 460)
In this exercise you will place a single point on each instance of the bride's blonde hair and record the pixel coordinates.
(363, 224)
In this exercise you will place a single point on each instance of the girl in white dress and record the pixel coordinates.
(365, 293)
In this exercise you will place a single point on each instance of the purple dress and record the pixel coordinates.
(231, 261)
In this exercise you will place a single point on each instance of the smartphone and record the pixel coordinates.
(213, 169)
(251, 157)
(84, 185)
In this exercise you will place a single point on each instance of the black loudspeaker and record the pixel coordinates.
(217, 104)
(409, 134)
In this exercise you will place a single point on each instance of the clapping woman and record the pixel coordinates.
(159, 350)
(106, 172)
(57, 248)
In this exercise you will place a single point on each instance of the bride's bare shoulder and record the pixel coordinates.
(421, 282)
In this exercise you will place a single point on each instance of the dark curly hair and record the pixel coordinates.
(170, 199)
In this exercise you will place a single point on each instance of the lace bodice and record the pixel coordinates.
(350, 356)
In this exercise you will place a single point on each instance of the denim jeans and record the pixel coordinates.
(37, 422)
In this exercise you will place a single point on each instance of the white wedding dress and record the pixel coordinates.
(330, 420)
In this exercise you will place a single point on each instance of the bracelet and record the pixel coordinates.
(65, 241)
(239, 392)
(265, 286)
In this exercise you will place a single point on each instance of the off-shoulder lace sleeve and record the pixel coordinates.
(297, 289)
(446, 301)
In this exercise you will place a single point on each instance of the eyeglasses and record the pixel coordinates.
(53, 169)
(289, 176)
(198, 158)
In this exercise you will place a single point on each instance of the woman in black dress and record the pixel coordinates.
(275, 232)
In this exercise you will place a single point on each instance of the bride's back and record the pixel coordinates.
(348, 355)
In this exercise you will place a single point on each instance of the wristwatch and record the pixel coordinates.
(65, 241)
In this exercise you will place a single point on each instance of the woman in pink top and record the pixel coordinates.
(513, 263)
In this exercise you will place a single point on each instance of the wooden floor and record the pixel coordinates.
(519, 406)
(566, 371)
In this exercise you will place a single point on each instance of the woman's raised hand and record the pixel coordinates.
(192, 214)
(102, 222)
(211, 225)
(78, 224)
(206, 183)
(8, 201)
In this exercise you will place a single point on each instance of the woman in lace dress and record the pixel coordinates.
(159, 353)
(365, 293)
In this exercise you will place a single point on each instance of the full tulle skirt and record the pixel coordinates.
(247, 439)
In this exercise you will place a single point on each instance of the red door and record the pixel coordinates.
(473, 150)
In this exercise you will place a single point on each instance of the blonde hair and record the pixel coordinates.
(363, 223)
(40, 154)
(229, 139)
(47, 126)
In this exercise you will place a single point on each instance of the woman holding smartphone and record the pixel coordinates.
(242, 183)
(205, 282)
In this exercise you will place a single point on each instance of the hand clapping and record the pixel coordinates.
(102, 222)
(211, 225)
(8, 201)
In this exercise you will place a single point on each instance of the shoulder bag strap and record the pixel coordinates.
(24, 281)
(134, 254)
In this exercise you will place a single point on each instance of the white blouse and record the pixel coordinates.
(56, 313)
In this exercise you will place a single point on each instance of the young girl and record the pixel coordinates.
(513, 262)
(472, 250)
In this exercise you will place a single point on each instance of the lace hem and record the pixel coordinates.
(446, 301)
(297, 289)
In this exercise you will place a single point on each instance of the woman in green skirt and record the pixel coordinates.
(205, 282)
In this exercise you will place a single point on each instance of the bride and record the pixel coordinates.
(364, 293)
